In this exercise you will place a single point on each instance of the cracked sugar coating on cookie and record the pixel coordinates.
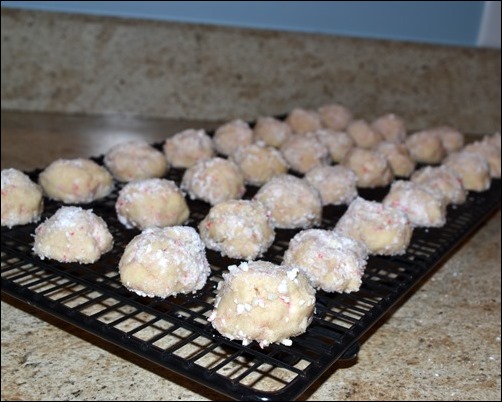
(164, 262)
(491, 154)
(271, 131)
(338, 143)
(22, 199)
(263, 302)
(399, 158)
(304, 121)
(444, 181)
(332, 261)
(75, 181)
(426, 147)
(371, 167)
(391, 126)
(186, 148)
(238, 229)
(232, 135)
(472, 168)
(336, 184)
(305, 152)
(382, 229)
(214, 180)
(335, 116)
(293, 202)
(363, 134)
(451, 138)
(73, 234)
(151, 203)
(135, 160)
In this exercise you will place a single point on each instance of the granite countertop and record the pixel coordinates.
(443, 343)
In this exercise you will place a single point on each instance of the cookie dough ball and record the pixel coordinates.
(363, 134)
(232, 135)
(271, 131)
(336, 184)
(293, 202)
(391, 127)
(305, 152)
(338, 143)
(332, 261)
(472, 168)
(399, 158)
(426, 147)
(451, 138)
(259, 163)
(214, 180)
(489, 152)
(151, 203)
(382, 229)
(186, 148)
(263, 302)
(73, 234)
(335, 116)
(238, 229)
(75, 181)
(422, 206)
(22, 200)
(164, 262)
(443, 181)
(135, 160)
(303, 121)
(371, 168)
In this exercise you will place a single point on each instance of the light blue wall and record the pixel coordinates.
(441, 22)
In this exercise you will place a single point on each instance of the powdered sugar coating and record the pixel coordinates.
(363, 134)
(493, 139)
(135, 160)
(151, 203)
(259, 163)
(22, 199)
(451, 138)
(491, 154)
(73, 234)
(271, 131)
(442, 180)
(422, 206)
(336, 184)
(232, 135)
(399, 158)
(303, 121)
(238, 229)
(187, 147)
(338, 143)
(472, 168)
(335, 116)
(426, 147)
(391, 126)
(382, 229)
(164, 262)
(332, 261)
(263, 302)
(305, 152)
(75, 181)
(293, 202)
(214, 180)
(371, 167)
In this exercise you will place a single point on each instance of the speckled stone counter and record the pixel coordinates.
(443, 343)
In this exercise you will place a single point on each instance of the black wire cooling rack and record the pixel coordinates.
(175, 333)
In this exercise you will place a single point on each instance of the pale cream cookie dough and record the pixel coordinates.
(382, 229)
(489, 152)
(238, 229)
(305, 152)
(262, 302)
(332, 261)
(472, 168)
(399, 158)
(363, 134)
(335, 116)
(22, 199)
(73, 234)
(426, 147)
(292, 202)
(271, 131)
(187, 147)
(451, 138)
(164, 262)
(391, 126)
(151, 203)
(303, 121)
(424, 207)
(442, 180)
(336, 184)
(213, 181)
(259, 163)
(371, 168)
(75, 181)
(338, 143)
(135, 160)
(232, 135)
